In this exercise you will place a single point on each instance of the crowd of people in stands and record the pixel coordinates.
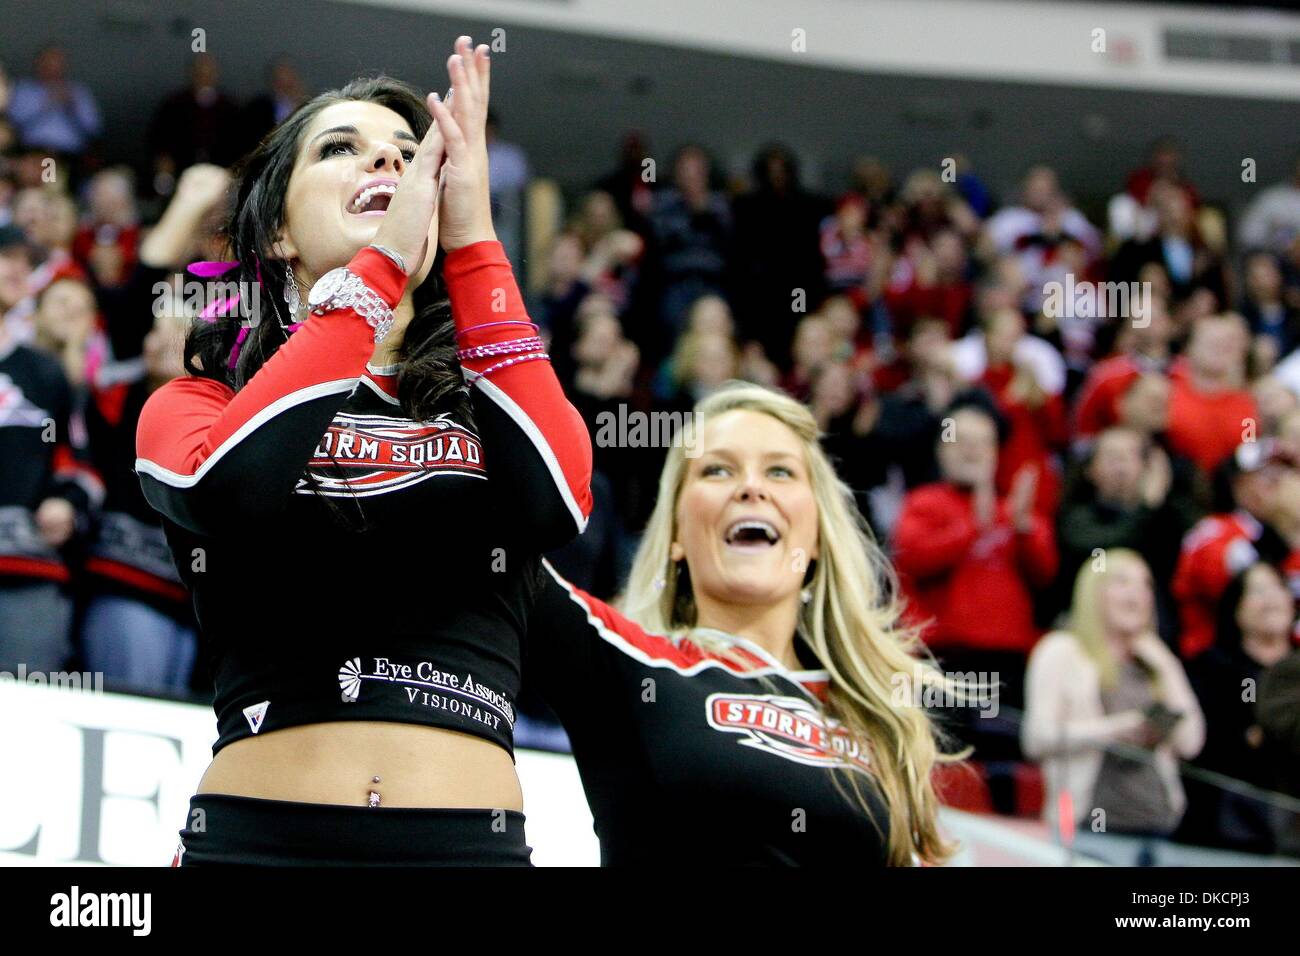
(1093, 498)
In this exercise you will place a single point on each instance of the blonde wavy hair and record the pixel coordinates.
(852, 623)
(1085, 619)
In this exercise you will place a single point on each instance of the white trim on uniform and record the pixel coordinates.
(631, 650)
(529, 428)
(177, 480)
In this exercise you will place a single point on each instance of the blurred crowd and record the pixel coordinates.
(1092, 497)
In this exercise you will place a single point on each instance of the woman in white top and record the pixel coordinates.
(1109, 710)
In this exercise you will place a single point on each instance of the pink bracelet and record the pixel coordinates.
(510, 347)
(488, 325)
(514, 361)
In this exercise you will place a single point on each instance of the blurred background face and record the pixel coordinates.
(714, 360)
(323, 226)
(1267, 608)
(746, 514)
(1116, 466)
(66, 312)
(813, 342)
(30, 210)
(600, 333)
(599, 213)
(1041, 189)
(1217, 348)
(971, 457)
(1154, 334)
(1173, 209)
(111, 198)
(1155, 274)
(1003, 332)
(1263, 278)
(58, 226)
(51, 65)
(1145, 406)
(710, 314)
(928, 345)
(833, 389)
(949, 253)
(1126, 599)
(566, 258)
(14, 270)
(1274, 399)
(1257, 491)
(851, 216)
(691, 172)
(842, 318)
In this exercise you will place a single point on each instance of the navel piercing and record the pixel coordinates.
(374, 799)
(374, 779)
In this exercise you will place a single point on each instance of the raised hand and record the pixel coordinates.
(466, 213)
(409, 219)
(1021, 505)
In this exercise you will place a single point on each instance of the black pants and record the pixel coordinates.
(225, 829)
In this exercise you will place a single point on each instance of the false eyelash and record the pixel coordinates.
(331, 143)
(343, 140)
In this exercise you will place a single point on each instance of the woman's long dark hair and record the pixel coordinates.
(429, 376)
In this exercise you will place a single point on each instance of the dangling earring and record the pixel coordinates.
(291, 297)
(806, 595)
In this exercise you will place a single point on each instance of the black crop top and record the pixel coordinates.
(413, 612)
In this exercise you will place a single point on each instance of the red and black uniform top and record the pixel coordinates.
(40, 457)
(687, 757)
(414, 612)
(127, 553)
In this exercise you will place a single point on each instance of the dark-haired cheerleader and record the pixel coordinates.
(356, 489)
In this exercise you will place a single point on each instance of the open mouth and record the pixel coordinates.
(373, 198)
(751, 534)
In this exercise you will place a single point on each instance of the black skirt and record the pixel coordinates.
(224, 829)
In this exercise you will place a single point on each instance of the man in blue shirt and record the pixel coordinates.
(52, 112)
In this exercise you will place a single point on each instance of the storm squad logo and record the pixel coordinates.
(789, 727)
(365, 454)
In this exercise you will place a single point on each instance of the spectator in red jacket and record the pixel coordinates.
(1140, 349)
(1258, 519)
(1210, 409)
(970, 561)
(1036, 419)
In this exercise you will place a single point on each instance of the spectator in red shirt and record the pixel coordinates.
(1165, 162)
(1210, 409)
(970, 561)
(1141, 349)
(1258, 519)
(933, 281)
(107, 242)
